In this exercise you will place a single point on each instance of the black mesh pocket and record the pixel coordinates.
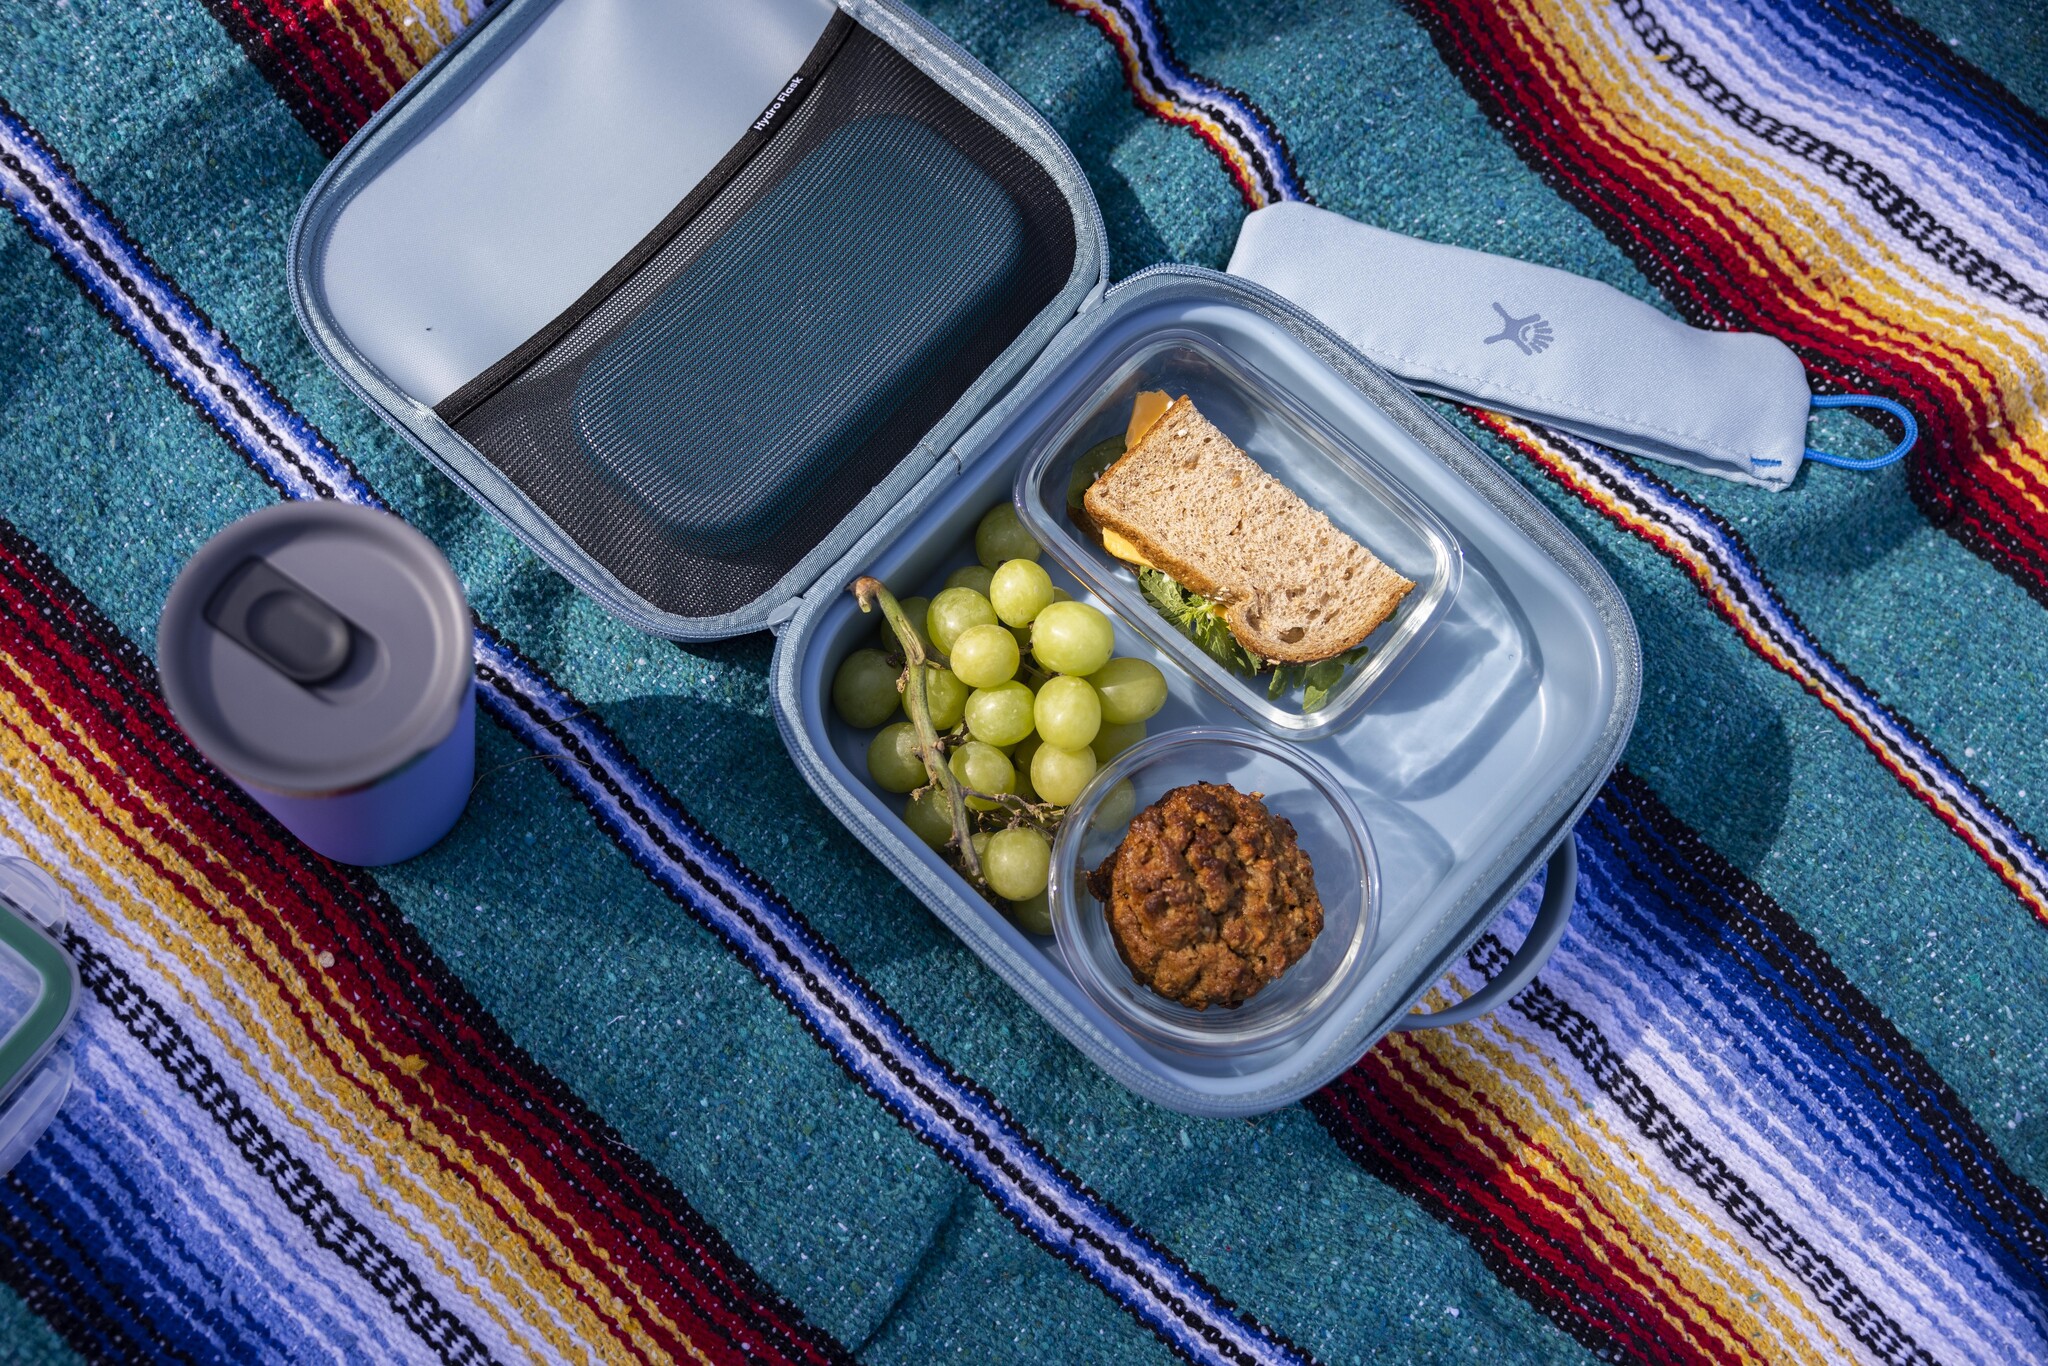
(707, 413)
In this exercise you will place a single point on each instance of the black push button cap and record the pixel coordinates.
(305, 638)
(282, 623)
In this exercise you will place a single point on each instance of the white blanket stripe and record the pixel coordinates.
(114, 928)
(1766, 1057)
(1903, 124)
(130, 936)
(1864, 245)
(125, 1260)
(1728, 569)
(1756, 57)
(1831, 1207)
(1903, 1253)
(1513, 1032)
(1732, 578)
(202, 1185)
(194, 1270)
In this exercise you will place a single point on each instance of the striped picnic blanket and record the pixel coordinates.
(651, 1061)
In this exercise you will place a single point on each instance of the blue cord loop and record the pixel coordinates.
(1897, 410)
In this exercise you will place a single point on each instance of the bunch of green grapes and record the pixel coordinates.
(1032, 703)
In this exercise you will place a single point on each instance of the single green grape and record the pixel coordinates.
(1060, 594)
(985, 769)
(975, 576)
(1017, 863)
(1117, 807)
(979, 839)
(1070, 638)
(1060, 774)
(914, 610)
(927, 817)
(1001, 536)
(1000, 715)
(864, 690)
(1033, 914)
(1111, 741)
(952, 612)
(1067, 712)
(985, 656)
(1020, 759)
(945, 696)
(893, 761)
(1019, 591)
(1132, 690)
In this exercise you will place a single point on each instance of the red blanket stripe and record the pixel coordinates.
(1662, 218)
(1709, 261)
(374, 34)
(418, 1092)
(1385, 1131)
(404, 1024)
(1635, 1273)
(1603, 1267)
(295, 49)
(98, 684)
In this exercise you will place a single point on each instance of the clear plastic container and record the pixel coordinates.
(1290, 442)
(38, 998)
(1331, 833)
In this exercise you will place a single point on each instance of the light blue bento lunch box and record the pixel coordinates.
(720, 307)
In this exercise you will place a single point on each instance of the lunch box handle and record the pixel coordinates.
(1553, 918)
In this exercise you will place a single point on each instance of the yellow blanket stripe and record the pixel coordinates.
(1611, 1241)
(1567, 1121)
(402, 29)
(415, 1149)
(1817, 1342)
(1811, 229)
(1714, 1261)
(67, 821)
(1567, 470)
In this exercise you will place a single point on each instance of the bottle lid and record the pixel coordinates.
(315, 647)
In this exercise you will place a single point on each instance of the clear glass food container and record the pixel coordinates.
(1330, 832)
(1287, 439)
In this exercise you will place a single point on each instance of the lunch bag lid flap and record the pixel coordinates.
(690, 294)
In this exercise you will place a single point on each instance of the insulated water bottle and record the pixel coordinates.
(320, 655)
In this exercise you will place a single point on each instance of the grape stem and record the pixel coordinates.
(871, 593)
(1044, 815)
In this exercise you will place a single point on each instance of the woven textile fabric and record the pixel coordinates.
(651, 1061)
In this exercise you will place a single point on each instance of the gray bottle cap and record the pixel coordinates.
(315, 647)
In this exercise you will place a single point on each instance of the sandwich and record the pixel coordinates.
(1183, 501)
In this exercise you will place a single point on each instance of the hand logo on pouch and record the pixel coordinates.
(1532, 333)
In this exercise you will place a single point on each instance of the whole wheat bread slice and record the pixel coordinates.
(1293, 588)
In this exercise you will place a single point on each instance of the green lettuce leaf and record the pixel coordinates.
(1090, 466)
(1199, 620)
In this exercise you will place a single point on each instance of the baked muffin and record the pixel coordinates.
(1209, 896)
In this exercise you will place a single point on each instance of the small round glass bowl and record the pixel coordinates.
(1330, 831)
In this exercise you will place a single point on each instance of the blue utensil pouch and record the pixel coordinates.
(1552, 347)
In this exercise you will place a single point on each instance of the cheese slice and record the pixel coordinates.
(1150, 406)
(1124, 550)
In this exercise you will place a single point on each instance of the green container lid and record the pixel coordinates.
(38, 997)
